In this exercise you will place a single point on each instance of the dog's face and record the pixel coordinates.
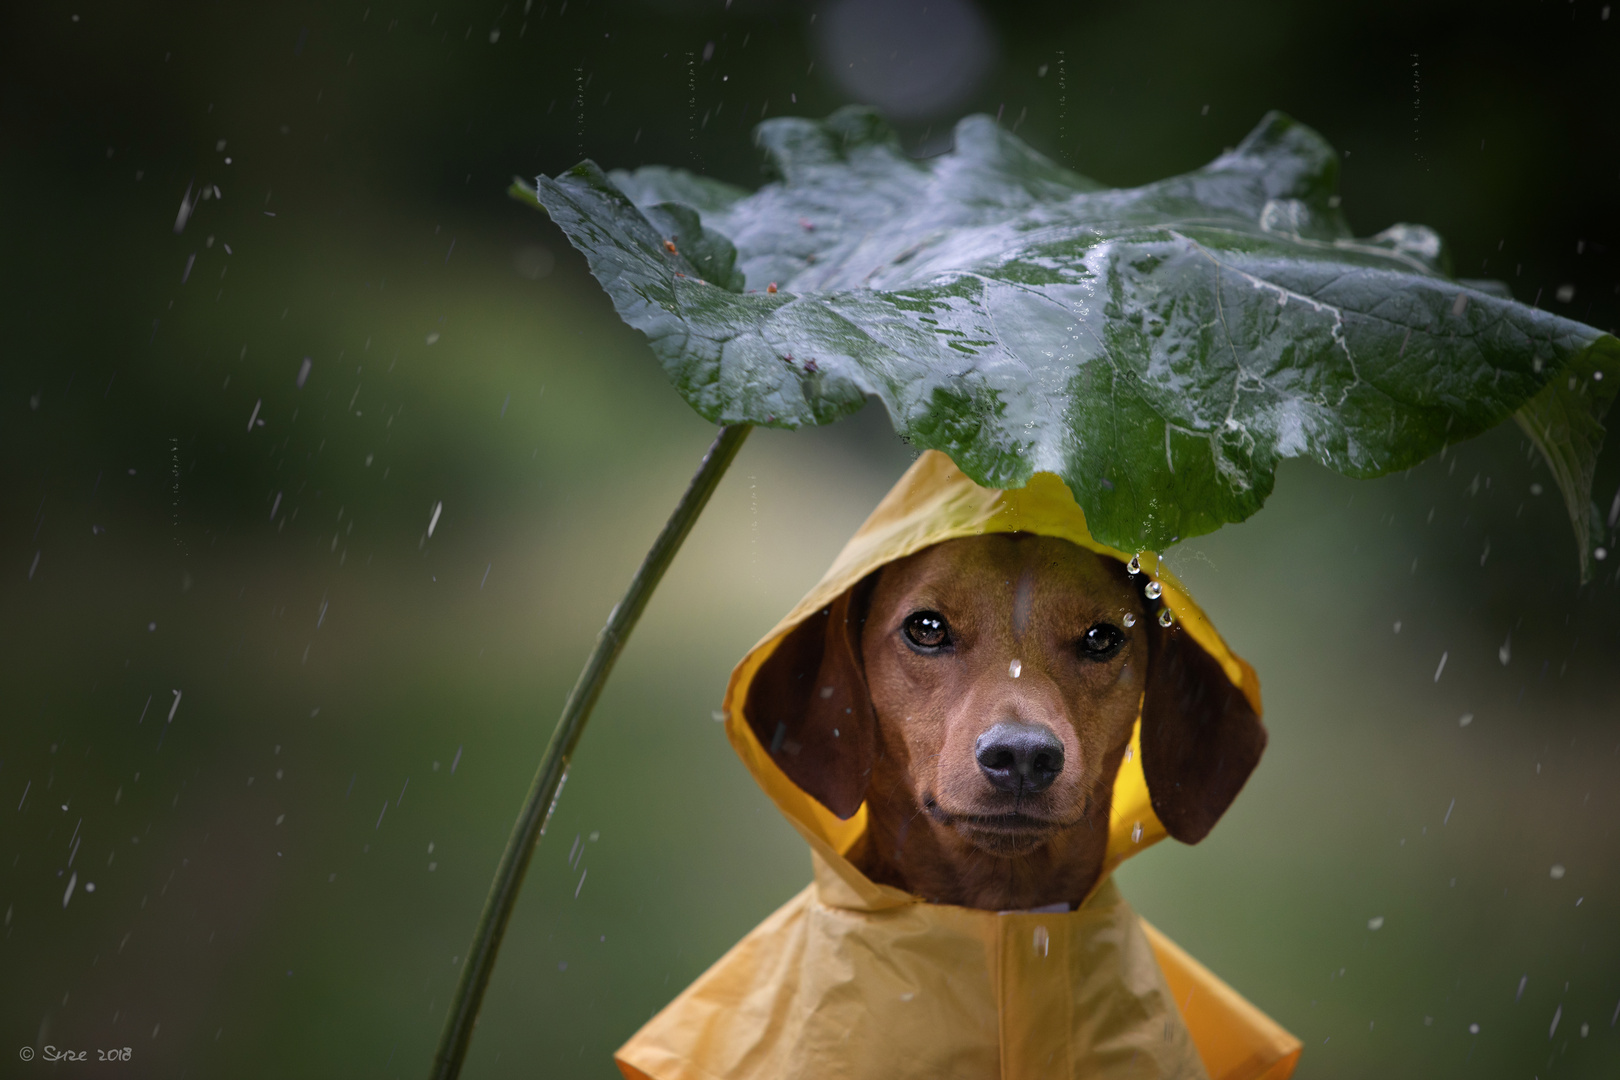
(979, 697)
(1005, 673)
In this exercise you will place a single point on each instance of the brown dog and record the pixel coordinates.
(979, 696)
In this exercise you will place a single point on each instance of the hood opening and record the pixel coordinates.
(799, 716)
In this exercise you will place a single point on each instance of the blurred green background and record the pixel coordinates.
(283, 733)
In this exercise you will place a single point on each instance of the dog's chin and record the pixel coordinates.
(1004, 835)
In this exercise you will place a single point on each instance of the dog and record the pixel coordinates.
(993, 684)
(972, 719)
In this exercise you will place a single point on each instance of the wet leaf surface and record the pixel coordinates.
(1161, 348)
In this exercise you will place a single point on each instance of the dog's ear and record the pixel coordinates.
(809, 706)
(1200, 736)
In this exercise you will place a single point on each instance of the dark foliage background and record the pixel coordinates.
(282, 731)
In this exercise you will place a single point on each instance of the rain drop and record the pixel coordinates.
(1153, 590)
(1043, 940)
(1557, 871)
(1376, 922)
(1129, 620)
(1015, 669)
(1505, 652)
(1134, 567)
(1136, 833)
(1466, 719)
(1165, 618)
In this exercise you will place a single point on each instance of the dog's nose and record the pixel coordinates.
(1019, 758)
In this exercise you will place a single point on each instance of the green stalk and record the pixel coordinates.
(548, 781)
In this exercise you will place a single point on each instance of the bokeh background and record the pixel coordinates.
(261, 738)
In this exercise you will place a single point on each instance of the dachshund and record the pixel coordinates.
(979, 697)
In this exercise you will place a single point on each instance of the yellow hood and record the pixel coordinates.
(856, 979)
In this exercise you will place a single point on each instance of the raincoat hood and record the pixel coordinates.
(857, 979)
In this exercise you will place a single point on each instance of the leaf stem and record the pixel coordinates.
(523, 191)
(541, 801)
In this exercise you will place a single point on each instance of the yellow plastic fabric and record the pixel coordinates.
(857, 980)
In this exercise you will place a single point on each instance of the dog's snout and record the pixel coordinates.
(1019, 758)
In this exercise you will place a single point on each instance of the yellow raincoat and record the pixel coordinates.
(856, 980)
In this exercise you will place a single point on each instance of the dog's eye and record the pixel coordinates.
(1101, 641)
(927, 630)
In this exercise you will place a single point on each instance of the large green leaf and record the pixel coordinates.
(1161, 348)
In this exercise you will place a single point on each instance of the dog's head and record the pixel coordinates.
(990, 684)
